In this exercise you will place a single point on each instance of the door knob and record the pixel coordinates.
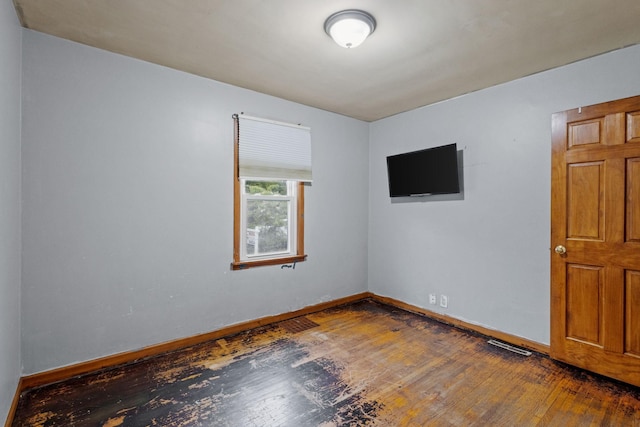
(560, 250)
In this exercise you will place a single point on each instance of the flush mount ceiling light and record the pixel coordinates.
(349, 28)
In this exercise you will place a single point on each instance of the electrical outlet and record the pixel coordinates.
(444, 301)
(432, 299)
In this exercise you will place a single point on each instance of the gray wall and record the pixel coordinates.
(489, 252)
(127, 188)
(10, 66)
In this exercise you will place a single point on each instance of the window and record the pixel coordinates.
(268, 219)
(272, 165)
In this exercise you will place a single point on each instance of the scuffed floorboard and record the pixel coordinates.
(362, 364)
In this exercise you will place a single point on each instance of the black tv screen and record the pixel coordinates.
(424, 172)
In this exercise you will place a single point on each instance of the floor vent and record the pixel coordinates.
(510, 347)
(298, 324)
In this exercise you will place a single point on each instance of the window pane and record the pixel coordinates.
(267, 226)
(266, 188)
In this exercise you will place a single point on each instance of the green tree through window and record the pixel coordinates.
(266, 188)
(267, 219)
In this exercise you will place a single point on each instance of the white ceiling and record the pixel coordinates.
(422, 51)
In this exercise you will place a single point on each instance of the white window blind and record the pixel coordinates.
(273, 150)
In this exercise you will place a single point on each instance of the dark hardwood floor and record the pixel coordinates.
(361, 364)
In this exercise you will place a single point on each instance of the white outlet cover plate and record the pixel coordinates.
(444, 301)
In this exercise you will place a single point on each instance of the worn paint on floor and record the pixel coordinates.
(362, 364)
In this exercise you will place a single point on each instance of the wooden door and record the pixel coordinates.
(595, 238)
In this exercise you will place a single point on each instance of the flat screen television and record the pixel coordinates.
(424, 172)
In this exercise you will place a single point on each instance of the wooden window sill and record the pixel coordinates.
(243, 265)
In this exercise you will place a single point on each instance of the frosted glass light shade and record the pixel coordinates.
(349, 28)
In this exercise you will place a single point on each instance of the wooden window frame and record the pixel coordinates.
(240, 264)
